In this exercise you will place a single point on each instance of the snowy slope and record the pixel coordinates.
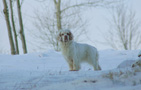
(49, 71)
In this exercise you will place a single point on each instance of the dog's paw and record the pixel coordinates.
(73, 70)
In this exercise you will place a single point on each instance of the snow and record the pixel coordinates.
(49, 71)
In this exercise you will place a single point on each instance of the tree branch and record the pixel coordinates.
(80, 5)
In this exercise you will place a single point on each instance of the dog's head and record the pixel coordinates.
(64, 36)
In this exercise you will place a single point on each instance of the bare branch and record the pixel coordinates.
(91, 3)
(125, 31)
(65, 14)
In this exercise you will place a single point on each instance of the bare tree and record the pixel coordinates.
(21, 27)
(63, 14)
(13, 26)
(6, 13)
(124, 30)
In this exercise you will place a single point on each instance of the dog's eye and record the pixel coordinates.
(68, 33)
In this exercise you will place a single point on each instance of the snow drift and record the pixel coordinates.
(49, 71)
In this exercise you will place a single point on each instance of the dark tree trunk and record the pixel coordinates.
(21, 27)
(6, 13)
(14, 29)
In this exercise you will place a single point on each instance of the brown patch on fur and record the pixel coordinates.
(70, 36)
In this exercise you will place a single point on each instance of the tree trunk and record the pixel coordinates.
(6, 13)
(58, 17)
(14, 29)
(21, 27)
(58, 13)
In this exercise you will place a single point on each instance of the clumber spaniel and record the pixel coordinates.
(75, 53)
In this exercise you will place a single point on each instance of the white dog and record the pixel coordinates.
(75, 53)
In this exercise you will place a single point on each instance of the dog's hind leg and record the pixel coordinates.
(99, 68)
(96, 63)
(96, 66)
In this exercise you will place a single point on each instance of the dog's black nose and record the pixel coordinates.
(65, 36)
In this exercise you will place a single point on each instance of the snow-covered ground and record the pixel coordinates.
(49, 71)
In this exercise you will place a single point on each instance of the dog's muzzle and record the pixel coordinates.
(66, 38)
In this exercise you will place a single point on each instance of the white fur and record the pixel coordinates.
(75, 53)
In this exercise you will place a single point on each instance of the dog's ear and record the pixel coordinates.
(58, 36)
(70, 36)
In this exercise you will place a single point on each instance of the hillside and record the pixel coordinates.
(49, 71)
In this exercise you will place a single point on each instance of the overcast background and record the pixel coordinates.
(95, 17)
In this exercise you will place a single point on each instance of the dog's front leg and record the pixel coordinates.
(76, 65)
(70, 64)
(73, 66)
